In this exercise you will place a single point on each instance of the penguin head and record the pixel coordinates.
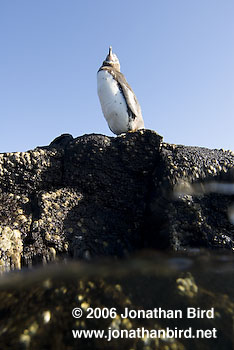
(112, 60)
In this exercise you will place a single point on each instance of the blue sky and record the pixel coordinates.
(177, 55)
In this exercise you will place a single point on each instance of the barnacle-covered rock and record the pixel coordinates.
(187, 286)
(104, 196)
(11, 247)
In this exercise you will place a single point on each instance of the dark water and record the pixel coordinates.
(36, 305)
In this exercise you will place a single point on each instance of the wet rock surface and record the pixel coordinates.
(36, 306)
(102, 196)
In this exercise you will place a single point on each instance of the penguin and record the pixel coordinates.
(119, 104)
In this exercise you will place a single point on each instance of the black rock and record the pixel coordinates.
(102, 196)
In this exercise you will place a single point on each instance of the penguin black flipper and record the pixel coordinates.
(129, 96)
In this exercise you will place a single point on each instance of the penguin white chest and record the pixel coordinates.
(113, 103)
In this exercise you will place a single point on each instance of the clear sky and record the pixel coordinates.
(178, 56)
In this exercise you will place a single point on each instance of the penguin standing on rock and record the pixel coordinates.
(119, 103)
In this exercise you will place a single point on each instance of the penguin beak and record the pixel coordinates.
(110, 55)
